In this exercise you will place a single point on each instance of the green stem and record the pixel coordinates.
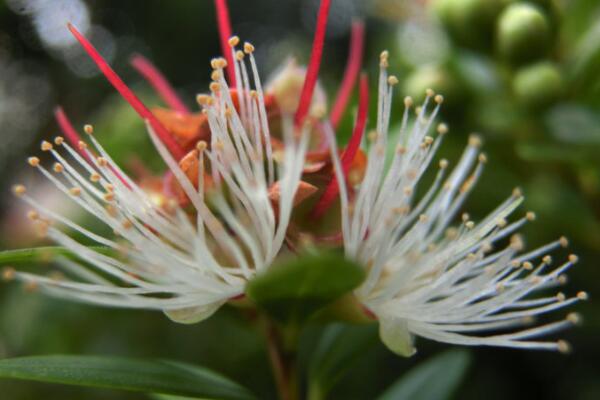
(283, 362)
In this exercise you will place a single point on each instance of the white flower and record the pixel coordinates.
(164, 259)
(424, 277)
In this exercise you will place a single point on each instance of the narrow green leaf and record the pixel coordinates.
(40, 254)
(292, 291)
(435, 379)
(339, 348)
(154, 376)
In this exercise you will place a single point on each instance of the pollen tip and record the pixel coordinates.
(564, 242)
(547, 259)
(33, 161)
(201, 145)
(408, 102)
(8, 274)
(443, 163)
(59, 140)
(82, 145)
(429, 92)
(239, 55)
(583, 295)
(527, 266)
(214, 87)
(392, 80)
(482, 158)
(383, 59)
(530, 216)
(58, 167)
(574, 318)
(204, 99)
(19, 190)
(46, 146)
(442, 129)
(475, 140)
(563, 346)
(517, 192)
(248, 48)
(103, 162)
(94, 177)
(75, 191)
(573, 258)
(560, 296)
(89, 129)
(33, 215)
(233, 41)
(439, 99)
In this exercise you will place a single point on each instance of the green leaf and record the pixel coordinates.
(435, 379)
(155, 376)
(40, 254)
(339, 348)
(292, 291)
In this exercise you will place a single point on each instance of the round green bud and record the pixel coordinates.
(538, 85)
(470, 22)
(523, 33)
(438, 78)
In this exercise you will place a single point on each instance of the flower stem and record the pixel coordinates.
(283, 362)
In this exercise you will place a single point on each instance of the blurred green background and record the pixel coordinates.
(522, 74)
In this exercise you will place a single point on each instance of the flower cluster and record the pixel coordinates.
(246, 170)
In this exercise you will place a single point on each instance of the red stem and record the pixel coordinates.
(314, 64)
(355, 56)
(332, 189)
(128, 94)
(224, 23)
(159, 83)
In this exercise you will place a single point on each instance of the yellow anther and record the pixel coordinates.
(443, 163)
(89, 129)
(429, 92)
(58, 168)
(75, 191)
(215, 75)
(408, 102)
(103, 162)
(573, 258)
(564, 242)
(530, 216)
(8, 274)
(214, 87)
(82, 145)
(248, 48)
(563, 346)
(94, 177)
(483, 158)
(19, 190)
(204, 99)
(33, 161)
(239, 55)
(439, 99)
(33, 215)
(46, 146)
(201, 145)
(59, 140)
(442, 129)
(474, 140)
(233, 41)
(392, 80)
(582, 296)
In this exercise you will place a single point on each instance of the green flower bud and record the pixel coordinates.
(538, 85)
(523, 33)
(470, 22)
(438, 78)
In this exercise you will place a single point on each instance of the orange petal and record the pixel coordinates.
(187, 129)
(304, 191)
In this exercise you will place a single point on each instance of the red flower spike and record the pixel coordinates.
(314, 64)
(159, 83)
(355, 56)
(225, 32)
(128, 94)
(332, 189)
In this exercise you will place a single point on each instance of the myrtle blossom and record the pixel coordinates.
(426, 277)
(163, 258)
